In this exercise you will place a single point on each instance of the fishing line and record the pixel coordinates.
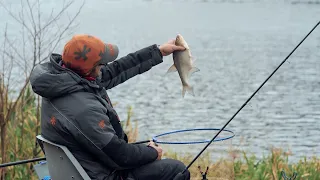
(249, 98)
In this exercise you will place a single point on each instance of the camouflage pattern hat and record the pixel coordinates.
(84, 52)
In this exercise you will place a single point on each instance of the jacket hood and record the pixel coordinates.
(50, 79)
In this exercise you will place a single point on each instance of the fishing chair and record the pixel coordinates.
(60, 162)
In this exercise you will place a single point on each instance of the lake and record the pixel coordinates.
(237, 45)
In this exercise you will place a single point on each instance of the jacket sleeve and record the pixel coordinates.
(99, 136)
(129, 66)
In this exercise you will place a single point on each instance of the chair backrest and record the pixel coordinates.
(61, 163)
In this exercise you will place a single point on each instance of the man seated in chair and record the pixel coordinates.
(77, 112)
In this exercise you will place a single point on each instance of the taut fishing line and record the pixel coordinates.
(250, 98)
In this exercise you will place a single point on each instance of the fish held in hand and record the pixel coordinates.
(183, 63)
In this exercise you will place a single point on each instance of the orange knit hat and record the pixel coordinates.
(83, 52)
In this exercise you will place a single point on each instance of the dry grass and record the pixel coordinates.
(242, 167)
(132, 132)
(19, 138)
(219, 169)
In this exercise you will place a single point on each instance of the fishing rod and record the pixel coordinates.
(43, 158)
(22, 162)
(249, 99)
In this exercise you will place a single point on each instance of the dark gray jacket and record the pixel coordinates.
(78, 113)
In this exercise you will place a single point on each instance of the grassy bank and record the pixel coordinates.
(247, 167)
(23, 126)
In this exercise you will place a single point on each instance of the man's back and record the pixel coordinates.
(58, 124)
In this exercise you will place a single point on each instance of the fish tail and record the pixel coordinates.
(187, 88)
